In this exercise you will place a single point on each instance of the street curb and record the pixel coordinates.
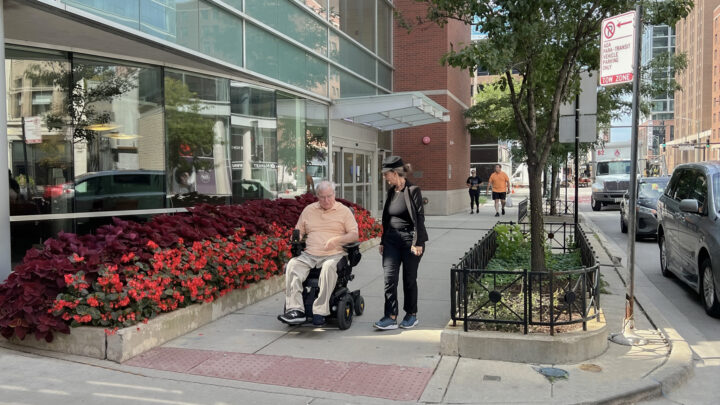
(678, 366)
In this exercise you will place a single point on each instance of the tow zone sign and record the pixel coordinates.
(617, 48)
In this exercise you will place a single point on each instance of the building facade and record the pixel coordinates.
(658, 128)
(693, 104)
(439, 153)
(138, 107)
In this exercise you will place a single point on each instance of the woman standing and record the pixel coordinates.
(402, 243)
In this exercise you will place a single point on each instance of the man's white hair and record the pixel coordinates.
(325, 185)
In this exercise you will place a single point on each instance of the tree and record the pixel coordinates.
(89, 88)
(547, 43)
(190, 134)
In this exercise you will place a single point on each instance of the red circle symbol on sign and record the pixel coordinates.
(609, 30)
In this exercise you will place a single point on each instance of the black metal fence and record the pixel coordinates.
(523, 210)
(525, 297)
(561, 207)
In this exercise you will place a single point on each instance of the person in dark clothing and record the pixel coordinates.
(473, 183)
(402, 243)
(14, 187)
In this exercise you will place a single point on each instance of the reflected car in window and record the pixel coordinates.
(689, 230)
(649, 190)
(244, 190)
(119, 190)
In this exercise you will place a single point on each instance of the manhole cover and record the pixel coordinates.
(594, 368)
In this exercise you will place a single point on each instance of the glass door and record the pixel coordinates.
(352, 175)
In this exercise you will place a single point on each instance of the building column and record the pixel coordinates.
(4, 162)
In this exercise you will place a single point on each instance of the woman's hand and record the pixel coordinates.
(416, 250)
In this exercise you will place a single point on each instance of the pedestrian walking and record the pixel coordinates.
(402, 243)
(500, 183)
(473, 183)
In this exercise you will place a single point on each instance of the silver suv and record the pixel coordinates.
(689, 230)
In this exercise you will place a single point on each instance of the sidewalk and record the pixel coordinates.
(250, 357)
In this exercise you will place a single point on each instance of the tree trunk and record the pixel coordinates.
(553, 189)
(537, 227)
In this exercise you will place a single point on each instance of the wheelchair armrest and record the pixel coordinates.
(351, 246)
(353, 252)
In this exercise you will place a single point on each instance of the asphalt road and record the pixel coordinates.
(680, 306)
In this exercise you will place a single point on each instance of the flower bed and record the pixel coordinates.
(129, 272)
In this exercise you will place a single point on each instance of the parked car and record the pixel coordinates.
(649, 190)
(689, 230)
(117, 190)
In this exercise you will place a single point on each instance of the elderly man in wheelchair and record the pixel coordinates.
(316, 277)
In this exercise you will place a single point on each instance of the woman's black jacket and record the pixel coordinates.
(414, 202)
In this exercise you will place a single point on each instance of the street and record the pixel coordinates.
(680, 306)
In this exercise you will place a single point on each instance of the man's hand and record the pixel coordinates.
(416, 250)
(332, 243)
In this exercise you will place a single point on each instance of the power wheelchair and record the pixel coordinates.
(343, 302)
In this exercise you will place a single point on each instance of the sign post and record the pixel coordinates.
(620, 63)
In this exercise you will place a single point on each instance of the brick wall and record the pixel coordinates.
(444, 163)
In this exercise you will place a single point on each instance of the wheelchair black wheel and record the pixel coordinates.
(359, 305)
(345, 312)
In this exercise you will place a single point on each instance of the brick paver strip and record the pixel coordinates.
(354, 378)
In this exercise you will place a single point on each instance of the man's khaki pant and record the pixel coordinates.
(297, 271)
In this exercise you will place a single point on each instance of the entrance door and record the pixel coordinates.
(352, 175)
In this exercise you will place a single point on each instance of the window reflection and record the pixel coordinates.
(253, 143)
(40, 150)
(197, 110)
(355, 18)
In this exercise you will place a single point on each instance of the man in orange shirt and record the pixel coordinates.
(500, 183)
(328, 225)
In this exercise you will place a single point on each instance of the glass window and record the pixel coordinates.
(253, 144)
(355, 18)
(118, 130)
(652, 189)
(40, 152)
(351, 56)
(318, 6)
(685, 185)
(237, 4)
(246, 99)
(384, 76)
(291, 139)
(661, 30)
(346, 85)
(316, 143)
(220, 34)
(384, 30)
(291, 20)
(273, 57)
(198, 166)
(172, 20)
(699, 192)
(122, 12)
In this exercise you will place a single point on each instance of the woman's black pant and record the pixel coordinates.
(474, 199)
(396, 252)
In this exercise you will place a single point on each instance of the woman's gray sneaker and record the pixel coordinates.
(386, 323)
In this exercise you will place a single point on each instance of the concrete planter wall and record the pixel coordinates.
(564, 348)
(128, 342)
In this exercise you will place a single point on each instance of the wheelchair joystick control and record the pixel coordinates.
(295, 235)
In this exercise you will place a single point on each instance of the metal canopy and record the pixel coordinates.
(389, 111)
